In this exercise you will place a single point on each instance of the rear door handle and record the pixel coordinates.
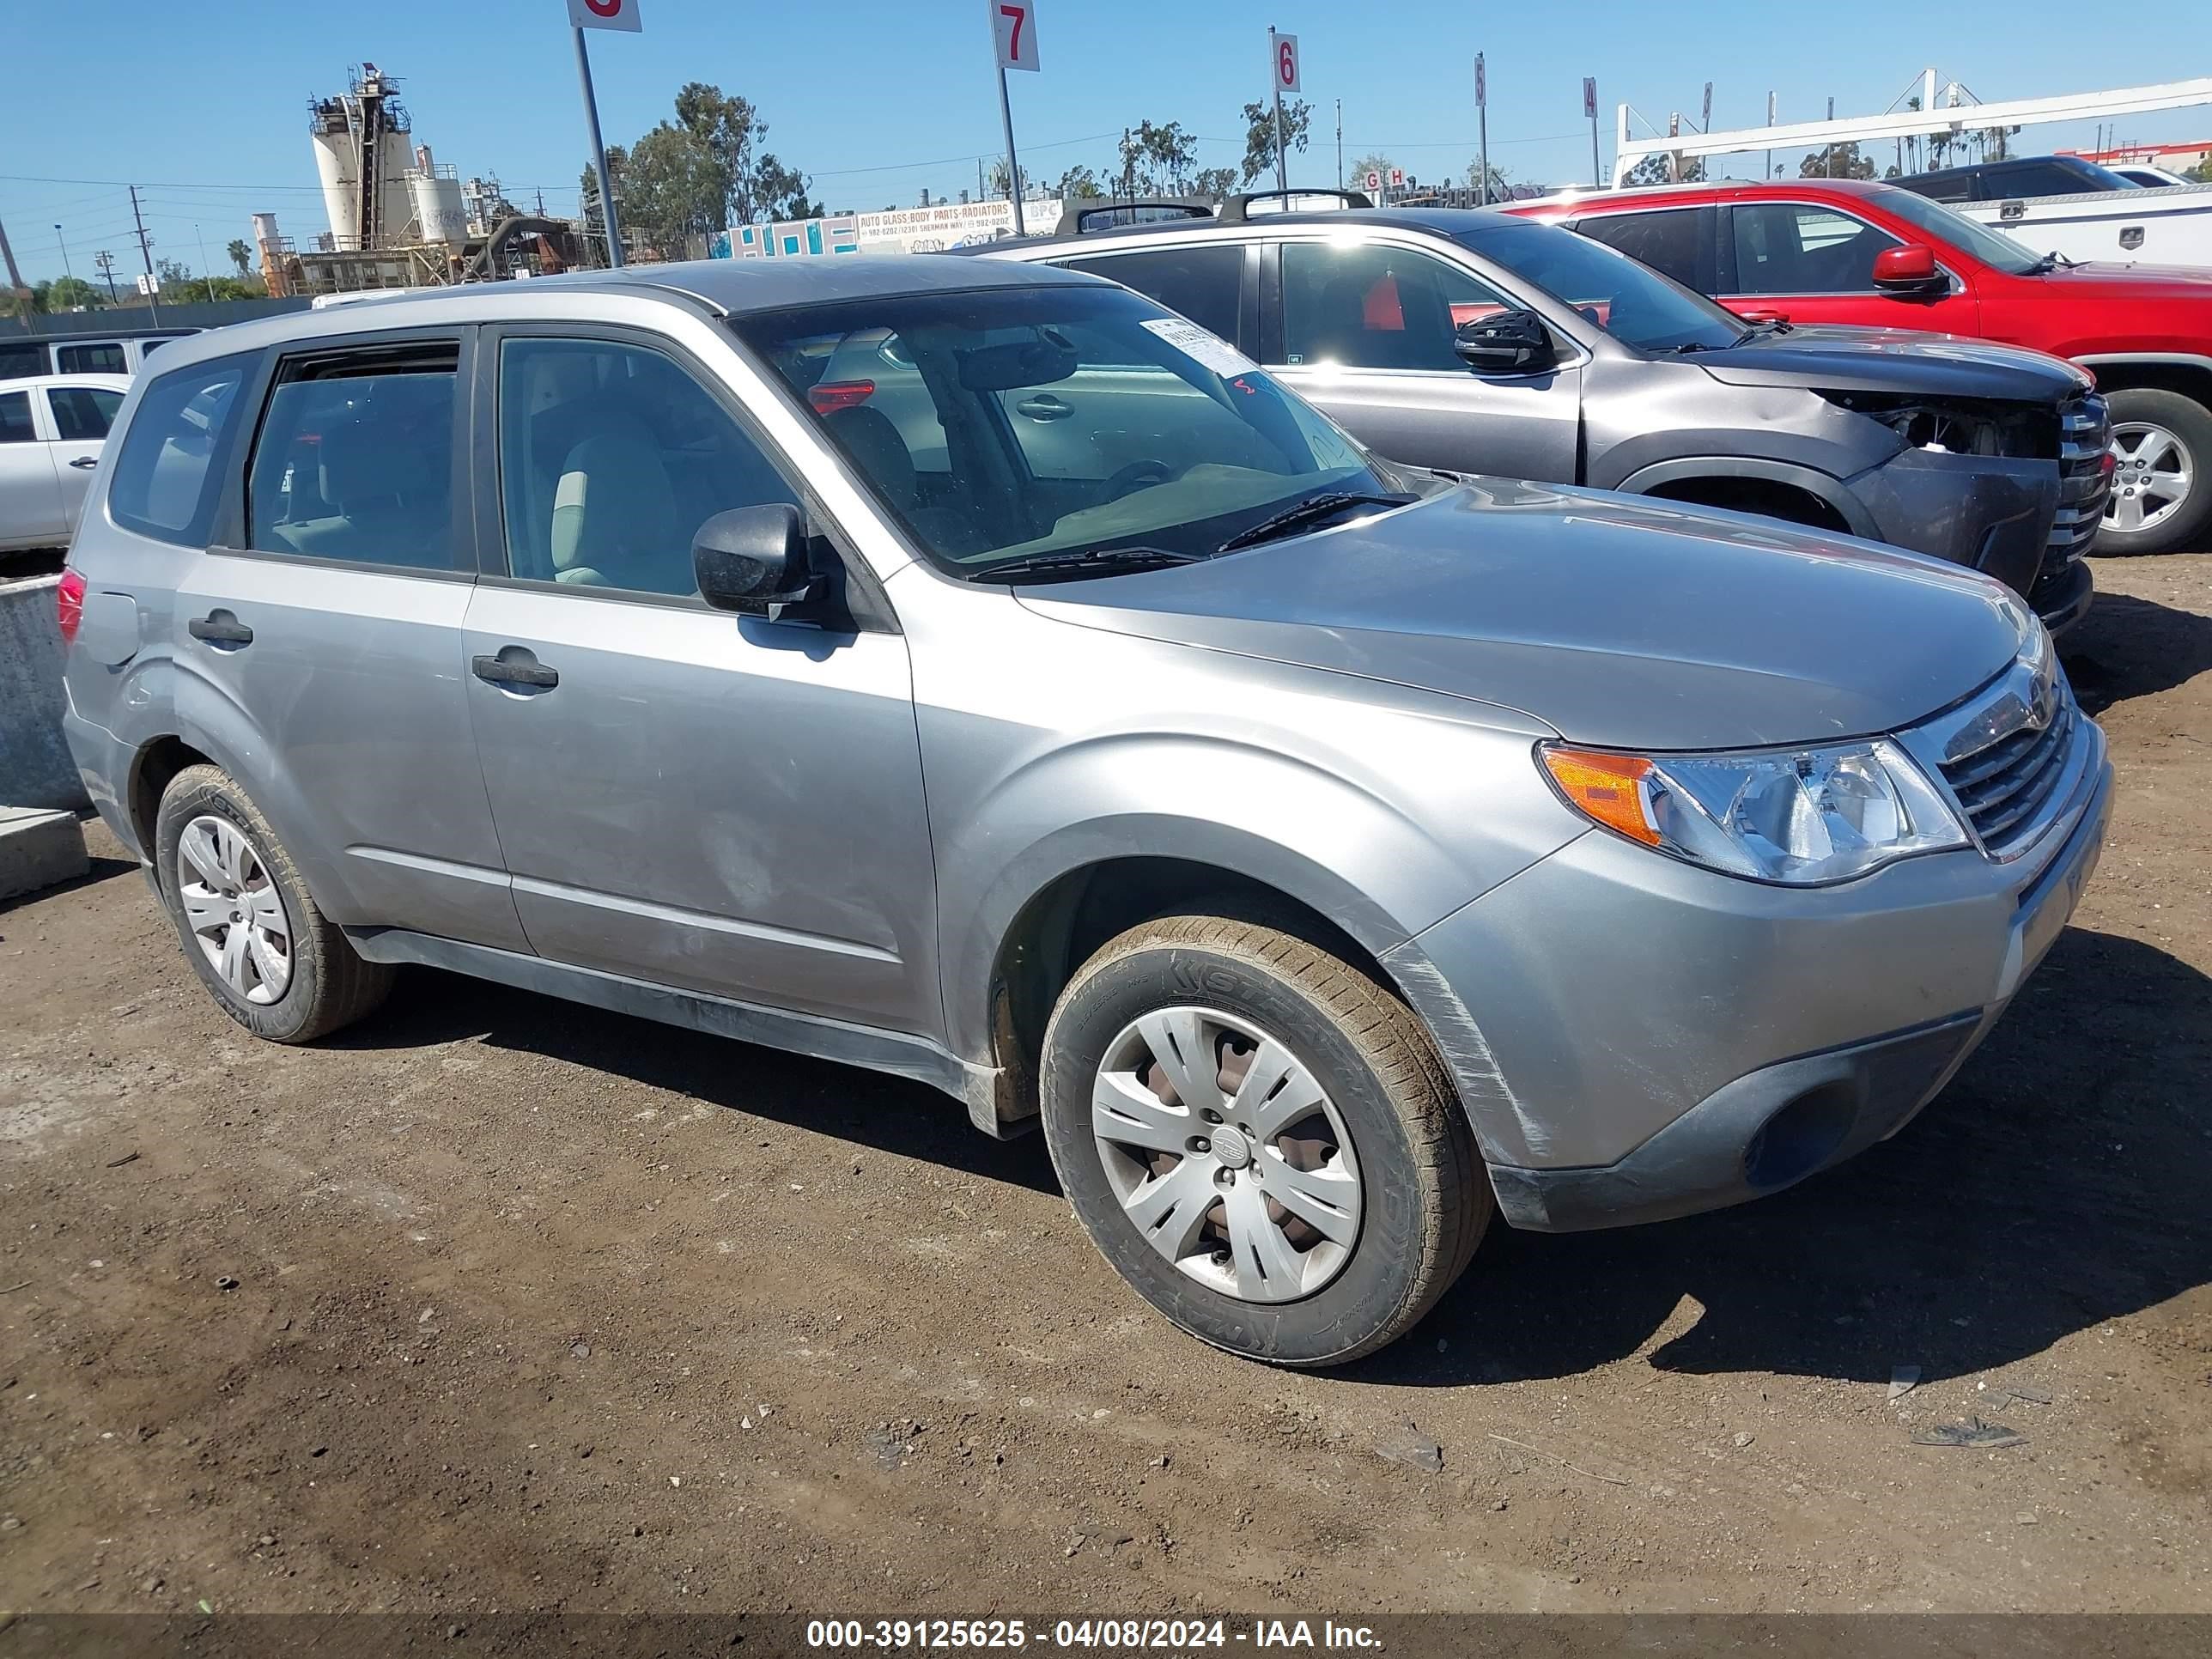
(220, 628)
(1046, 408)
(86, 463)
(522, 669)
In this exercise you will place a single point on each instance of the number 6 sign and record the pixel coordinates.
(1014, 24)
(1286, 63)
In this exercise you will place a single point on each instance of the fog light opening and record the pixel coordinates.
(1801, 1136)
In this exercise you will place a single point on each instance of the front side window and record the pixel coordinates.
(355, 459)
(1798, 247)
(1667, 240)
(611, 456)
(82, 414)
(15, 426)
(1204, 283)
(1633, 303)
(1077, 420)
(1366, 305)
(22, 359)
(105, 358)
(166, 476)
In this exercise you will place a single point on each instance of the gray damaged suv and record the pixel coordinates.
(1483, 343)
(1335, 857)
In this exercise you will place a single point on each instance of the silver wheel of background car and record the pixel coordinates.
(233, 909)
(2153, 473)
(1227, 1154)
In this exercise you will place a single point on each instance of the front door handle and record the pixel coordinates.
(220, 628)
(521, 669)
(85, 463)
(1044, 408)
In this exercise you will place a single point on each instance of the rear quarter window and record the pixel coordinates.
(174, 450)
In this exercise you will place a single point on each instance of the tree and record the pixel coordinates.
(1498, 191)
(782, 191)
(1366, 164)
(2202, 172)
(702, 172)
(1652, 170)
(997, 185)
(1836, 162)
(1216, 181)
(240, 255)
(1078, 185)
(1260, 135)
(69, 293)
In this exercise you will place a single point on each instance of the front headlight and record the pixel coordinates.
(1798, 816)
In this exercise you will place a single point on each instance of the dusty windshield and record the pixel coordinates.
(1000, 424)
(1630, 302)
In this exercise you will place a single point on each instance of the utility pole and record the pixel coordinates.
(1769, 173)
(15, 288)
(146, 253)
(64, 246)
(206, 276)
(598, 152)
(1339, 143)
(104, 261)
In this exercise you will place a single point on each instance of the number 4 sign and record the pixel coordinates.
(1014, 24)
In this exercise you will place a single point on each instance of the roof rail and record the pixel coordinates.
(1236, 209)
(1107, 212)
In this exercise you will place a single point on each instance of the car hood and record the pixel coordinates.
(1895, 359)
(1615, 620)
(2135, 283)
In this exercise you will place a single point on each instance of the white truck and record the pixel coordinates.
(2069, 206)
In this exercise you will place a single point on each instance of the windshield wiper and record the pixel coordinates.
(1081, 562)
(1308, 511)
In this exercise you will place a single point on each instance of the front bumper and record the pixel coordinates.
(1659, 1040)
(1989, 513)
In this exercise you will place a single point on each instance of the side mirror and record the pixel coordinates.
(1907, 269)
(752, 560)
(1508, 343)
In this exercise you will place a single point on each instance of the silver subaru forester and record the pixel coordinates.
(974, 671)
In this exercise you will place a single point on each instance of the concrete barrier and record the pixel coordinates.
(35, 768)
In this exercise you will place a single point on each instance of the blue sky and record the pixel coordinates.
(876, 99)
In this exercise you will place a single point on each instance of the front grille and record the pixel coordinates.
(2003, 784)
(2084, 481)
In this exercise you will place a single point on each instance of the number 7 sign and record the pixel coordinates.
(1013, 23)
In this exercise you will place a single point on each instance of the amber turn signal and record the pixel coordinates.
(1607, 787)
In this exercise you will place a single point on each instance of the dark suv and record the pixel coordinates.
(1469, 341)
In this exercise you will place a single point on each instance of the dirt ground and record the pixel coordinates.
(501, 1302)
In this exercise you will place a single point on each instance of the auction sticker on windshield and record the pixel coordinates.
(1210, 350)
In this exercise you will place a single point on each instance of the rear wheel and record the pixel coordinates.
(276, 965)
(2161, 502)
(1259, 1138)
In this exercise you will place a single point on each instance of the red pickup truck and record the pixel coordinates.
(1837, 251)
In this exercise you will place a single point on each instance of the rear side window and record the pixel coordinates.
(355, 460)
(104, 358)
(1204, 283)
(15, 418)
(1667, 241)
(2032, 178)
(20, 359)
(167, 473)
(82, 414)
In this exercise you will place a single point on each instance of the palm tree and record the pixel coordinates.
(240, 255)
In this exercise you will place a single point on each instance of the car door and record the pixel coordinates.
(1810, 262)
(81, 417)
(1364, 329)
(331, 628)
(683, 796)
(32, 514)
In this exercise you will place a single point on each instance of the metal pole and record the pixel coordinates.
(206, 276)
(64, 246)
(1339, 143)
(598, 152)
(1013, 167)
(146, 253)
(1597, 162)
(15, 288)
(1482, 129)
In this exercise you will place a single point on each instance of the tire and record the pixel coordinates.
(2174, 433)
(1386, 1162)
(314, 983)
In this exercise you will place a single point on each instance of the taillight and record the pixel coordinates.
(69, 604)
(834, 395)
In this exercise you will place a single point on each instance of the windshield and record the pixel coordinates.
(1630, 302)
(1933, 219)
(1001, 424)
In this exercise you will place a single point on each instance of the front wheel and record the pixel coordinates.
(2161, 502)
(1259, 1138)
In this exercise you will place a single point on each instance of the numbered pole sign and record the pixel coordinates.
(1589, 97)
(1013, 23)
(1482, 84)
(606, 14)
(1285, 49)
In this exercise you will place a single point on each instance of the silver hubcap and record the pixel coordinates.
(1228, 1155)
(2152, 473)
(233, 909)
